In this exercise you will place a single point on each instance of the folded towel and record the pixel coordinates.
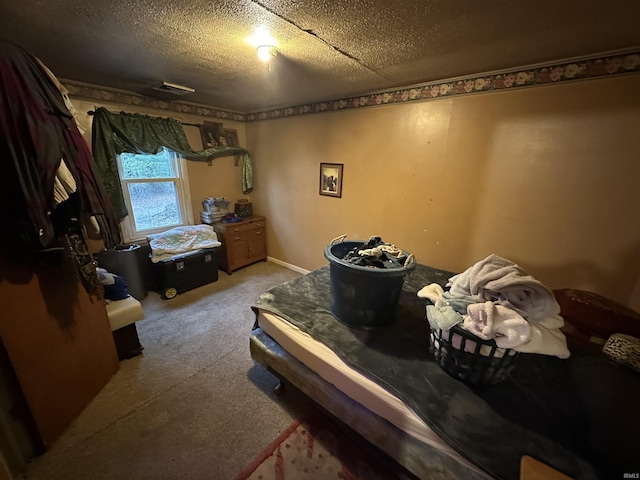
(510, 330)
(504, 325)
(443, 317)
(498, 279)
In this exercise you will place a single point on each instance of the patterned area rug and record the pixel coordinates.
(318, 449)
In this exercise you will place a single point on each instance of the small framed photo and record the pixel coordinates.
(211, 133)
(331, 179)
(229, 137)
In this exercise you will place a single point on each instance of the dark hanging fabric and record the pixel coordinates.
(116, 133)
(37, 132)
(66, 220)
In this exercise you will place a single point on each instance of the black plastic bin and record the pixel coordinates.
(363, 297)
(130, 262)
(185, 272)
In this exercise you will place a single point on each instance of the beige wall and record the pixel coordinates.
(221, 179)
(546, 176)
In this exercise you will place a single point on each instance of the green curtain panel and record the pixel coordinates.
(115, 133)
(247, 174)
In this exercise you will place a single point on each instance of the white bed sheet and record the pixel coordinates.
(324, 362)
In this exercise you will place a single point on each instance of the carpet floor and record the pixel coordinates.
(193, 405)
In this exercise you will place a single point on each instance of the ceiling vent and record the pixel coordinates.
(174, 89)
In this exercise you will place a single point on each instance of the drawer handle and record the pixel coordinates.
(237, 238)
(236, 229)
(258, 233)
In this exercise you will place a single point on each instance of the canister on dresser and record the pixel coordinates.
(243, 208)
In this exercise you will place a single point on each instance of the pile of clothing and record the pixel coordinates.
(376, 254)
(495, 299)
(50, 197)
(115, 287)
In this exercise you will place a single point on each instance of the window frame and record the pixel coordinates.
(181, 182)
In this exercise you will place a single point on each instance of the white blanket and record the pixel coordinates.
(181, 240)
(505, 284)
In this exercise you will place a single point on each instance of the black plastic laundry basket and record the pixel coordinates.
(363, 297)
(469, 358)
(131, 263)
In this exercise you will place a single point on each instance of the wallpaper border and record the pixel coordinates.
(95, 92)
(597, 67)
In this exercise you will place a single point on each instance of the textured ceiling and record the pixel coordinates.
(327, 49)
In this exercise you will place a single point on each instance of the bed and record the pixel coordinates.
(385, 385)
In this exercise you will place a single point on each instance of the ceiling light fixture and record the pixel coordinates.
(261, 36)
(266, 52)
(265, 44)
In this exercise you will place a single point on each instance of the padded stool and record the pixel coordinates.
(122, 316)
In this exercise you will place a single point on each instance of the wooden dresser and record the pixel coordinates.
(243, 243)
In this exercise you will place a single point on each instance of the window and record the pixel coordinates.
(156, 192)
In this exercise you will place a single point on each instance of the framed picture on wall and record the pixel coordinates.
(331, 179)
(211, 133)
(230, 137)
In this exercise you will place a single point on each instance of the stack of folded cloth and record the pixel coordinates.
(214, 209)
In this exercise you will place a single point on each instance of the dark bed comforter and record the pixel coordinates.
(540, 410)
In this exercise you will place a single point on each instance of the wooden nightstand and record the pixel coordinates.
(243, 242)
(532, 469)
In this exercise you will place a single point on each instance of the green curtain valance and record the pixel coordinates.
(115, 133)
